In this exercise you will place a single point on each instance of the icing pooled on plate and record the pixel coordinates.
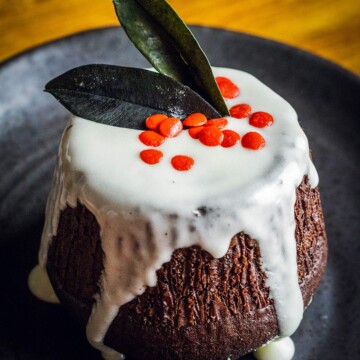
(279, 349)
(228, 190)
(40, 286)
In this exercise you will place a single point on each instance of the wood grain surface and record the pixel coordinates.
(329, 28)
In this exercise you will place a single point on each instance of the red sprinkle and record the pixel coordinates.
(195, 131)
(261, 119)
(182, 162)
(220, 123)
(230, 138)
(227, 88)
(240, 111)
(151, 138)
(170, 127)
(253, 141)
(153, 121)
(211, 136)
(151, 156)
(196, 119)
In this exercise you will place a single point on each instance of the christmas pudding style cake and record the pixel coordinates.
(184, 219)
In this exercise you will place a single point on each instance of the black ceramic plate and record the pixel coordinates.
(326, 98)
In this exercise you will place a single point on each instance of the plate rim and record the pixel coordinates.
(322, 61)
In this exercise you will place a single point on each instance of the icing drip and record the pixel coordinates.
(279, 349)
(146, 212)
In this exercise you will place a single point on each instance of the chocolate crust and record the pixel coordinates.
(201, 307)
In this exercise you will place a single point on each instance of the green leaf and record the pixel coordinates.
(123, 96)
(164, 39)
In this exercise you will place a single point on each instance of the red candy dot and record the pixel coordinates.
(182, 162)
(170, 127)
(219, 123)
(230, 138)
(240, 111)
(211, 136)
(196, 119)
(195, 131)
(261, 119)
(227, 88)
(151, 156)
(253, 141)
(153, 121)
(151, 138)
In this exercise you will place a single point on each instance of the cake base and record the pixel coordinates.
(201, 307)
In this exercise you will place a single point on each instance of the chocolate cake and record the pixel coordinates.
(184, 219)
(210, 263)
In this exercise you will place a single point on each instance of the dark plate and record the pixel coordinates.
(326, 98)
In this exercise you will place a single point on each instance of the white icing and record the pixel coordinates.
(279, 349)
(242, 190)
(40, 286)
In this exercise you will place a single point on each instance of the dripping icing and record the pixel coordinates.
(279, 349)
(240, 189)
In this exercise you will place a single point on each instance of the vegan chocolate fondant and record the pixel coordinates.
(161, 260)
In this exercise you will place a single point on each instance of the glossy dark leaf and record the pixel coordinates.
(124, 97)
(164, 39)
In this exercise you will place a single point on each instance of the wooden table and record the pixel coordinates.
(329, 28)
